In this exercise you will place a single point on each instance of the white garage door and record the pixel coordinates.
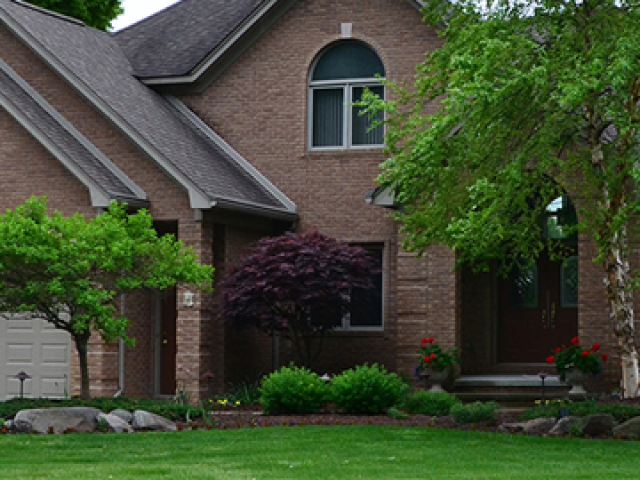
(35, 347)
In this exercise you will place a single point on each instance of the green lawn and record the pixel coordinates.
(315, 452)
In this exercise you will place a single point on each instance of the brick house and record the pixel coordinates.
(230, 121)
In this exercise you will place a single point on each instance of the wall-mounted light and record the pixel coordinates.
(188, 299)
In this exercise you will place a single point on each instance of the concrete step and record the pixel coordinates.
(509, 388)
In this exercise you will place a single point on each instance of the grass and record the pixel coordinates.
(339, 452)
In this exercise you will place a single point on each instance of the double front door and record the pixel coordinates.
(537, 310)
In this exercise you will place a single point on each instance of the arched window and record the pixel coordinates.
(338, 79)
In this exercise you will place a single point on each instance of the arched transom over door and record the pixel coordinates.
(538, 301)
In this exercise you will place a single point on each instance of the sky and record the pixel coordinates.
(136, 10)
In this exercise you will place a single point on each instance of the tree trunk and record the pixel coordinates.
(620, 296)
(82, 342)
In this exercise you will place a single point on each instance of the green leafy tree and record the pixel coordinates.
(524, 101)
(95, 13)
(71, 271)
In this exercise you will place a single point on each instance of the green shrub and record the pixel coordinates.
(621, 413)
(367, 390)
(430, 403)
(396, 413)
(293, 390)
(475, 412)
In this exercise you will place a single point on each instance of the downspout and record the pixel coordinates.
(121, 351)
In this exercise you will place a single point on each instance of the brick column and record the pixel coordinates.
(195, 329)
(443, 320)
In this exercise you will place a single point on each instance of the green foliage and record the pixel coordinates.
(95, 13)
(620, 412)
(433, 357)
(396, 413)
(293, 390)
(71, 271)
(103, 426)
(475, 412)
(524, 102)
(367, 390)
(430, 403)
(499, 94)
(243, 392)
(576, 356)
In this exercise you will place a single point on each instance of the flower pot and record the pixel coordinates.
(576, 378)
(435, 379)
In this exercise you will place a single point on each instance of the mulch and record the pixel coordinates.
(255, 419)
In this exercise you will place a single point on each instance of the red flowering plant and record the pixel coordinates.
(433, 357)
(587, 360)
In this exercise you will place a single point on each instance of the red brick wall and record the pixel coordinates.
(259, 106)
(39, 173)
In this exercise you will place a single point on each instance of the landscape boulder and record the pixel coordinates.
(65, 419)
(630, 428)
(598, 424)
(125, 415)
(143, 420)
(115, 423)
(537, 426)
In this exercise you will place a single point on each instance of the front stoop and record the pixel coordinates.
(508, 388)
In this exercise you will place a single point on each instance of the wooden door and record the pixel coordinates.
(168, 343)
(537, 310)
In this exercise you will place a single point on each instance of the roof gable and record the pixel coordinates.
(186, 46)
(104, 180)
(175, 40)
(94, 64)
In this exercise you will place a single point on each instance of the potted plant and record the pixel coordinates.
(575, 364)
(435, 364)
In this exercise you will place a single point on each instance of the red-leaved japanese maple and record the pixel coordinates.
(296, 284)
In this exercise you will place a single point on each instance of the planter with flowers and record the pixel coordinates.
(575, 364)
(435, 364)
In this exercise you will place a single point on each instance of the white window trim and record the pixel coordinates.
(347, 85)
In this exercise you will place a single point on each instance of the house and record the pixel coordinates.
(230, 121)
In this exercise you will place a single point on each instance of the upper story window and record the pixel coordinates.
(338, 80)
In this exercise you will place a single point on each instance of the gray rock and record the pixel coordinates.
(125, 415)
(143, 420)
(537, 426)
(21, 426)
(78, 419)
(598, 424)
(629, 428)
(8, 424)
(566, 425)
(115, 423)
(511, 428)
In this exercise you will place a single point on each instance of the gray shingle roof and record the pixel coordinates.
(52, 130)
(176, 39)
(94, 62)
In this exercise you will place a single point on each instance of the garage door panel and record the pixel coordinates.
(20, 354)
(40, 350)
(54, 354)
(20, 326)
(13, 387)
(55, 386)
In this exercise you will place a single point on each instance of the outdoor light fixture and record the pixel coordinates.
(543, 376)
(22, 376)
(188, 299)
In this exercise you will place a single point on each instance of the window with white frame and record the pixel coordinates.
(338, 80)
